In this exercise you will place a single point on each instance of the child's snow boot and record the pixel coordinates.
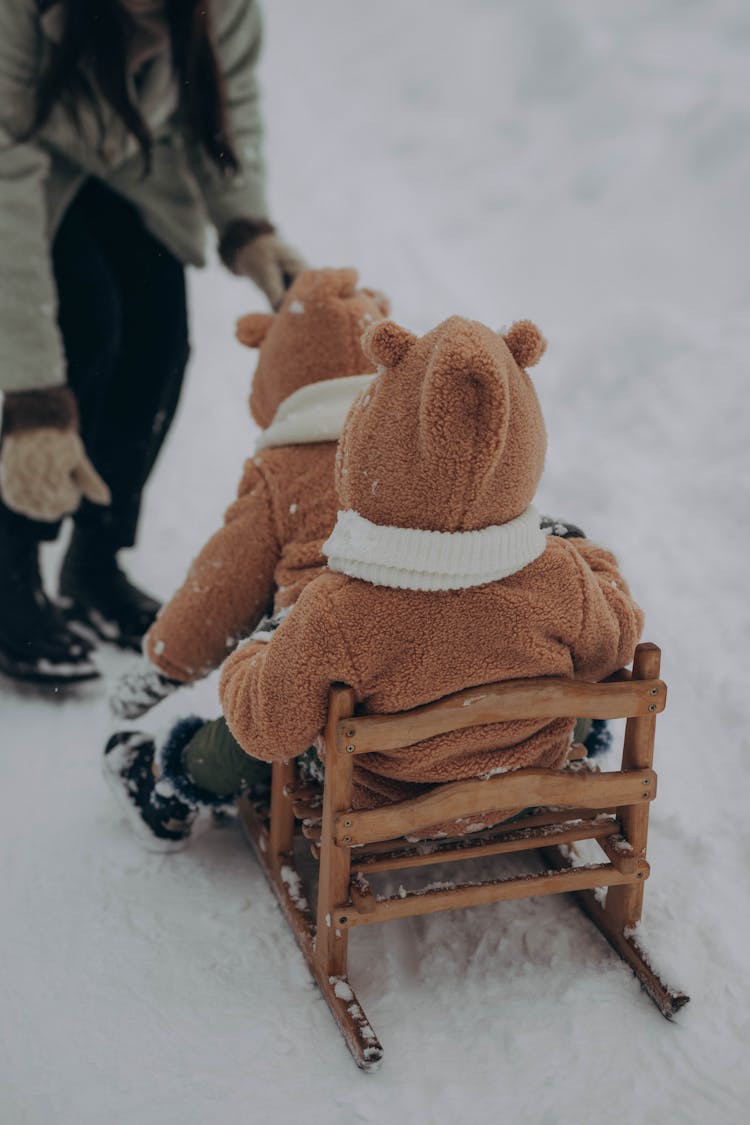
(599, 738)
(562, 529)
(36, 642)
(101, 594)
(161, 800)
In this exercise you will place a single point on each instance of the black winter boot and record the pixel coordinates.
(161, 801)
(36, 642)
(562, 529)
(599, 738)
(102, 596)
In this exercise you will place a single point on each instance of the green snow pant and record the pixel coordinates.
(216, 762)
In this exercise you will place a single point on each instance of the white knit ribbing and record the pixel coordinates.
(316, 412)
(411, 559)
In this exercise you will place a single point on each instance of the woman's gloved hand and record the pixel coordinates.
(44, 470)
(252, 248)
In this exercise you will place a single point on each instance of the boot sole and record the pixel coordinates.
(116, 786)
(47, 671)
(90, 623)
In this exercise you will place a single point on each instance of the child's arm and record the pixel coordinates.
(611, 621)
(228, 588)
(275, 695)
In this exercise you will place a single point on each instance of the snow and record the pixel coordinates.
(585, 165)
(341, 988)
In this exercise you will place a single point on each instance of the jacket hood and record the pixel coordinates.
(316, 335)
(450, 436)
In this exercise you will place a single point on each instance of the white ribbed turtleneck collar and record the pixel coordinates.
(411, 559)
(313, 413)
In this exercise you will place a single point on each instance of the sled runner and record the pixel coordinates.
(562, 807)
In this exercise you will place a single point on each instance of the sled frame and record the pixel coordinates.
(562, 807)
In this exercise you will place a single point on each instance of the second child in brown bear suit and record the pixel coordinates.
(310, 369)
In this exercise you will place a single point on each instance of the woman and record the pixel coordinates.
(125, 126)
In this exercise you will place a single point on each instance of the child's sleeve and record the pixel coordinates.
(275, 694)
(227, 590)
(611, 622)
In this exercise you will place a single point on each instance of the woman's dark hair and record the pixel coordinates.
(98, 33)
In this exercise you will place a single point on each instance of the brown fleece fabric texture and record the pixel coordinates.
(453, 435)
(270, 544)
(55, 407)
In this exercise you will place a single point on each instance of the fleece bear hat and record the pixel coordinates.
(440, 459)
(313, 338)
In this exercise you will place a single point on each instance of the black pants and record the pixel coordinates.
(123, 319)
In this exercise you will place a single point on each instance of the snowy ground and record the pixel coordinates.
(584, 164)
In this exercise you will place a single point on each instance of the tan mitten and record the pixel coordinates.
(44, 470)
(252, 248)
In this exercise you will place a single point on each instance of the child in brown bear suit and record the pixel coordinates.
(439, 576)
(310, 369)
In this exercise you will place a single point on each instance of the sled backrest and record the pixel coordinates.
(351, 841)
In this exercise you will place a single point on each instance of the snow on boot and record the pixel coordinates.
(161, 801)
(36, 642)
(101, 595)
(139, 689)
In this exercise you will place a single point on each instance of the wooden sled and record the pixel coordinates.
(564, 807)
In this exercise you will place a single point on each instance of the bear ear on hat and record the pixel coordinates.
(387, 343)
(526, 343)
(464, 400)
(252, 329)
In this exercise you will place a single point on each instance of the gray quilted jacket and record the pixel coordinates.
(39, 177)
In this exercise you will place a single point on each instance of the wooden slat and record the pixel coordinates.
(615, 847)
(334, 866)
(529, 820)
(525, 839)
(625, 905)
(495, 703)
(305, 809)
(518, 788)
(430, 901)
(361, 895)
(281, 832)
(301, 792)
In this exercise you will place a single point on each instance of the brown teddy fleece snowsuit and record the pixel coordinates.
(310, 368)
(440, 578)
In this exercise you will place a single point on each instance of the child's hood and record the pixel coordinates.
(448, 439)
(314, 337)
